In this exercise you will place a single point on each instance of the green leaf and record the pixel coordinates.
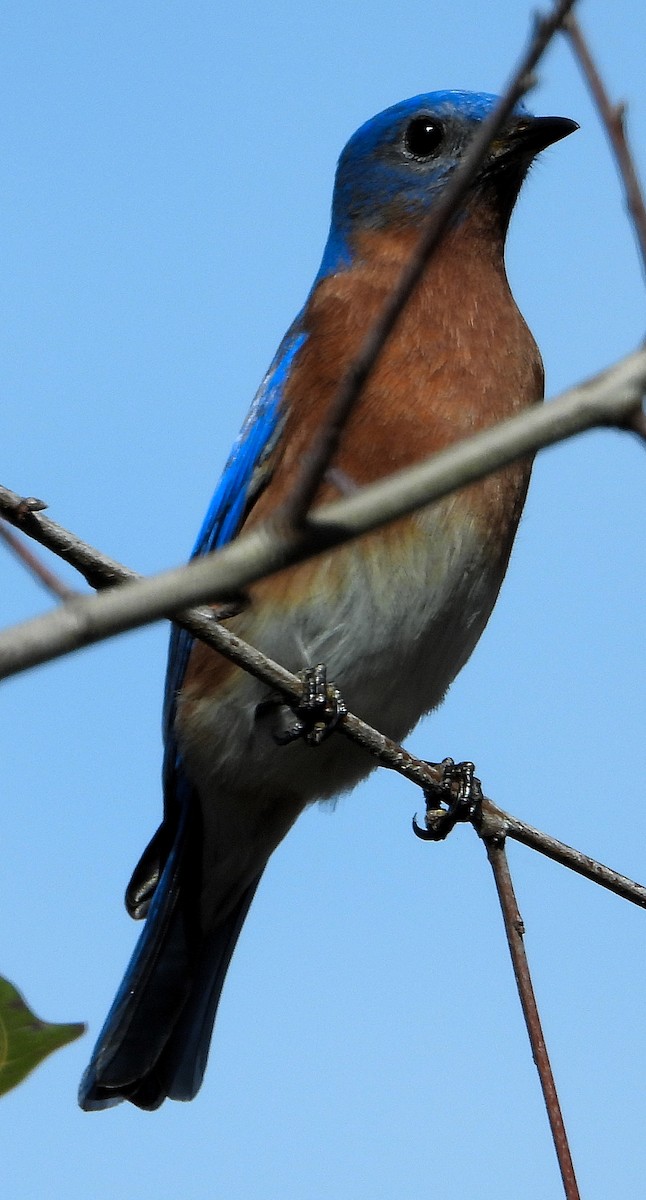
(24, 1039)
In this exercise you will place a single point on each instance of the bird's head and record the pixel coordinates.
(395, 166)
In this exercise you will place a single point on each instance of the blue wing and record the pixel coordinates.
(242, 481)
(156, 1036)
(244, 476)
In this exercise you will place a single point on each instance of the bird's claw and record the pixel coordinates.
(318, 712)
(454, 798)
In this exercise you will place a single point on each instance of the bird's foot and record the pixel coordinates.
(317, 713)
(454, 798)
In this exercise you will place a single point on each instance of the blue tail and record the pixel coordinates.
(155, 1041)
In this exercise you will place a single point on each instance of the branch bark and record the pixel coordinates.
(46, 578)
(515, 930)
(492, 821)
(613, 118)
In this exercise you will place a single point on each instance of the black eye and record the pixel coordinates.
(422, 137)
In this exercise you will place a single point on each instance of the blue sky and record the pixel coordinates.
(166, 180)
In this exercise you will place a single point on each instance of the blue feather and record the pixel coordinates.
(229, 504)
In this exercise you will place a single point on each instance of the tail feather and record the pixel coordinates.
(155, 1040)
(180, 1069)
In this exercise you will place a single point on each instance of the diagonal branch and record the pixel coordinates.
(613, 118)
(608, 398)
(491, 821)
(515, 930)
(47, 578)
(320, 456)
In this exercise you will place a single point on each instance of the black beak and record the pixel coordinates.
(520, 142)
(512, 153)
(536, 133)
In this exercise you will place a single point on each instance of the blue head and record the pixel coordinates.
(394, 166)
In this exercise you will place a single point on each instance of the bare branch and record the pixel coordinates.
(27, 516)
(613, 117)
(608, 398)
(515, 930)
(48, 579)
(492, 820)
(327, 441)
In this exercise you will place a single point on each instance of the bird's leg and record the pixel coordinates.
(317, 713)
(455, 798)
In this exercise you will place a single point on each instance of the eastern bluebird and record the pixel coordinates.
(394, 615)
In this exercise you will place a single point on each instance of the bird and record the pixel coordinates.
(393, 616)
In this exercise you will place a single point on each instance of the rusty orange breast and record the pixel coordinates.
(460, 359)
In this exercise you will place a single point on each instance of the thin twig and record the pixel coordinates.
(493, 819)
(515, 930)
(49, 580)
(613, 118)
(331, 428)
(609, 398)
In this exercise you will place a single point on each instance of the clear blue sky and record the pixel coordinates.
(166, 178)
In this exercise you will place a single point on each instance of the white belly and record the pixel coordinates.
(392, 640)
(393, 635)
